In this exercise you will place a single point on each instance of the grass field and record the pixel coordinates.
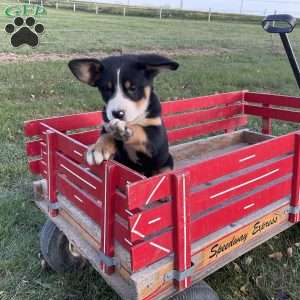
(214, 57)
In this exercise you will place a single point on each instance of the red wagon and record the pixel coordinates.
(152, 237)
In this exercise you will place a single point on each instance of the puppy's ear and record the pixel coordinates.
(155, 63)
(86, 70)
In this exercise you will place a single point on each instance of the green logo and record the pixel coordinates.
(25, 10)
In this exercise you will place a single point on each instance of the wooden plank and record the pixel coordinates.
(63, 123)
(172, 107)
(148, 252)
(207, 128)
(51, 170)
(273, 113)
(185, 119)
(34, 166)
(153, 220)
(149, 280)
(108, 216)
(231, 213)
(33, 148)
(270, 99)
(121, 235)
(120, 285)
(81, 177)
(150, 221)
(144, 192)
(182, 227)
(80, 199)
(88, 137)
(212, 222)
(266, 123)
(295, 197)
(216, 194)
(240, 159)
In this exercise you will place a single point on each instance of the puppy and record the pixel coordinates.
(133, 132)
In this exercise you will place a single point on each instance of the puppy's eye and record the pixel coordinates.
(132, 89)
(107, 88)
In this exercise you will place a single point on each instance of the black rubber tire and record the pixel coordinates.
(199, 291)
(55, 250)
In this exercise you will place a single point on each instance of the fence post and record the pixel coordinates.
(51, 173)
(242, 6)
(42, 3)
(265, 12)
(182, 223)
(160, 13)
(294, 215)
(124, 11)
(56, 6)
(209, 15)
(74, 7)
(96, 9)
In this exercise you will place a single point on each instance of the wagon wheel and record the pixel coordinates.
(57, 252)
(199, 291)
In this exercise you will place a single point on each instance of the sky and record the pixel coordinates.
(259, 7)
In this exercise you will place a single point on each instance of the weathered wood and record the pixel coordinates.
(149, 281)
(200, 149)
(125, 289)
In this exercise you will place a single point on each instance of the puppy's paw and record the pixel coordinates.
(119, 129)
(97, 153)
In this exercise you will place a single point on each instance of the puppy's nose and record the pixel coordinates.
(118, 114)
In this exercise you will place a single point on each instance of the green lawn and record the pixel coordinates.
(218, 57)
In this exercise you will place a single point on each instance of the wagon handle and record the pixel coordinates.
(284, 24)
(279, 23)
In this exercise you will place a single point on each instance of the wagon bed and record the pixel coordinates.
(152, 237)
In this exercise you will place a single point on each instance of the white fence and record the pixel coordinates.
(127, 7)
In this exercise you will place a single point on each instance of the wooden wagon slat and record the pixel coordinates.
(270, 99)
(186, 119)
(64, 123)
(121, 234)
(33, 148)
(148, 190)
(148, 252)
(236, 160)
(193, 131)
(150, 221)
(210, 223)
(79, 176)
(231, 213)
(273, 113)
(87, 137)
(80, 199)
(171, 107)
(34, 166)
(216, 194)
(156, 219)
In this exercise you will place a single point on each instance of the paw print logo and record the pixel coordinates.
(24, 32)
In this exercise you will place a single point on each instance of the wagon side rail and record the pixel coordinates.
(93, 190)
(190, 118)
(269, 106)
(206, 197)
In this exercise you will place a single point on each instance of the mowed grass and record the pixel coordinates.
(36, 89)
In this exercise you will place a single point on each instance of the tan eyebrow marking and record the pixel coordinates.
(127, 84)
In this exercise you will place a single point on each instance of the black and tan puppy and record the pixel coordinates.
(133, 132)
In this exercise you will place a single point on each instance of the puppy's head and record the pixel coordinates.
(125, 82)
